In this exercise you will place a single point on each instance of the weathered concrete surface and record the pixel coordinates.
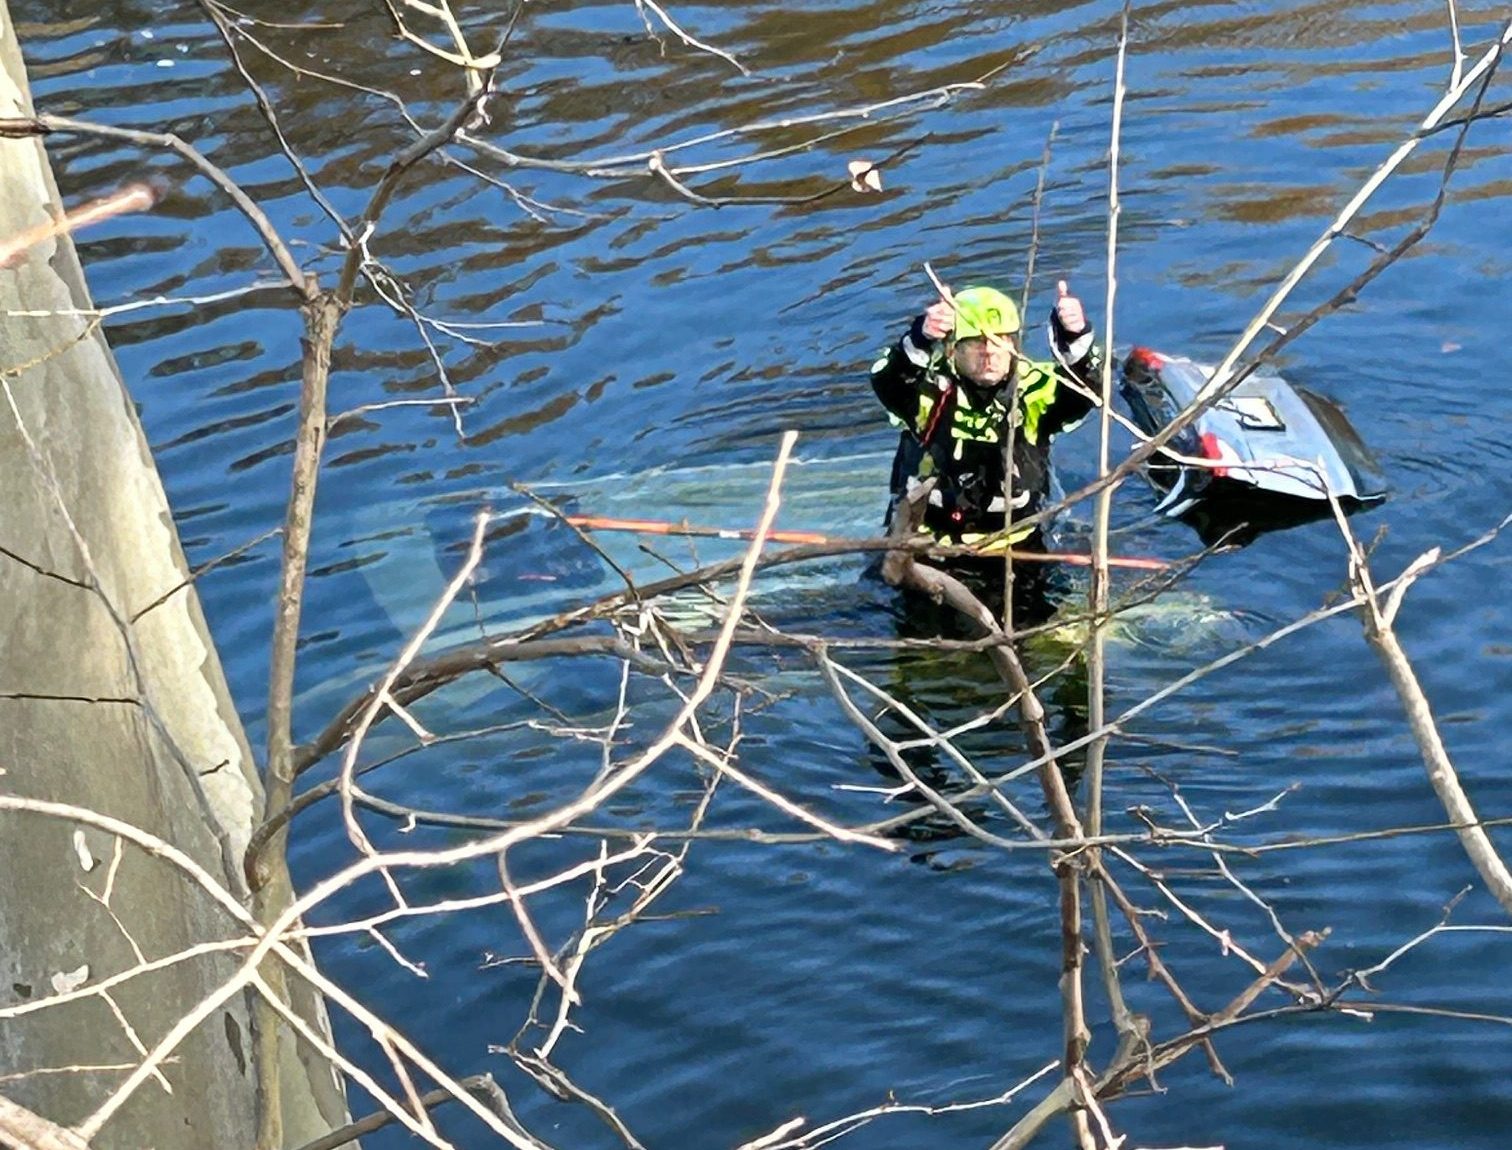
(132, 719)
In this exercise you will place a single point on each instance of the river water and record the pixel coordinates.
(663, 348)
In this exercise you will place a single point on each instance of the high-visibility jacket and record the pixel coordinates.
(954, 430)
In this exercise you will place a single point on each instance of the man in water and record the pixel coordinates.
(954, 381)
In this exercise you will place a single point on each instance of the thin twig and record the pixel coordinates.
(691, 41)
(1098, 592)
(1379, 632)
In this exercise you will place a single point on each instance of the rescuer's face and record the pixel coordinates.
(985, 361)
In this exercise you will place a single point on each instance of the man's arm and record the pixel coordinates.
(1077, 356)
(901, 369)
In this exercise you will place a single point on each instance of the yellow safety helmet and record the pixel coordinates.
(984, 311)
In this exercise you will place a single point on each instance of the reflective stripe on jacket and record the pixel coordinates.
(973, 421)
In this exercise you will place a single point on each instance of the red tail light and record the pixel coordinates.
(1214, 448)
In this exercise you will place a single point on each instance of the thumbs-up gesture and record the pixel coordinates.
(1070, 316)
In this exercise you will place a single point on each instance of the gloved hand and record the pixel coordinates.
(1068, 325)
(938, 320)
(1069, 315)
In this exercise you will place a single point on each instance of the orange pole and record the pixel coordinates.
(136, 198)
(664, 527)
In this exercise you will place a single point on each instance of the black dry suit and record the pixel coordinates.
(954, 430)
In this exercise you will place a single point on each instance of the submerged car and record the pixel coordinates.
(1277, 452)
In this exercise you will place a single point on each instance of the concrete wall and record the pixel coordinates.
(131, 719)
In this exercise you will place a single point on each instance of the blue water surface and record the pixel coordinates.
(662, 348)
